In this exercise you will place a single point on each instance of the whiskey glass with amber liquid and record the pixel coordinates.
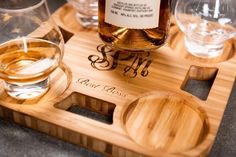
(31, 47)
(133, 25)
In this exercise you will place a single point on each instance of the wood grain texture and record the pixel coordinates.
(66, 19)
(152, 115)
(167, 121)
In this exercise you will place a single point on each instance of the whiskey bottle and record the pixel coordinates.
(134, 25)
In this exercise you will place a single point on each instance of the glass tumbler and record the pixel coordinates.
(86, 12)
(31, 47)
(207, 24)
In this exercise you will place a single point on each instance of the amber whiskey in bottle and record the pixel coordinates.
(134, 25)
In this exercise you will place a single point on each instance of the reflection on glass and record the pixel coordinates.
(207, 24)
(31, 47)
(86, 12)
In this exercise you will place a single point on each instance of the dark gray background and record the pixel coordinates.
(17, 141)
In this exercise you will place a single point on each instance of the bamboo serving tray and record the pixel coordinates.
(140, 98)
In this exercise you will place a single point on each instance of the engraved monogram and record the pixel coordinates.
(110, 59)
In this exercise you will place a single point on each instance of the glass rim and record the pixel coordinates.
(23, 9)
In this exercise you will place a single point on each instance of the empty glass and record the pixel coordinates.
(86, 12)
(31, 47)
(207, 24)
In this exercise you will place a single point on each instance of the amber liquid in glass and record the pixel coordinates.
(135, 39)
(27, 60)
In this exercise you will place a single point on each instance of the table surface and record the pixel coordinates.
(19, 141)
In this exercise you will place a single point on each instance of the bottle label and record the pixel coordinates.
(134, 14)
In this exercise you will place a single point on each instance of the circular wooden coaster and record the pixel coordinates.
(166, 121)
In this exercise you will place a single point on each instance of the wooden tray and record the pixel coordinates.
(140, 97)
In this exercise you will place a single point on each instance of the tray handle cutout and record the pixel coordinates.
(199, 81)
(89, 107)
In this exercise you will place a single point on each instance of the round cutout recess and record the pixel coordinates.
(165, 120)
(176, 43)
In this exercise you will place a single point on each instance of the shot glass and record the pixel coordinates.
(207, 24)
(86, 12)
